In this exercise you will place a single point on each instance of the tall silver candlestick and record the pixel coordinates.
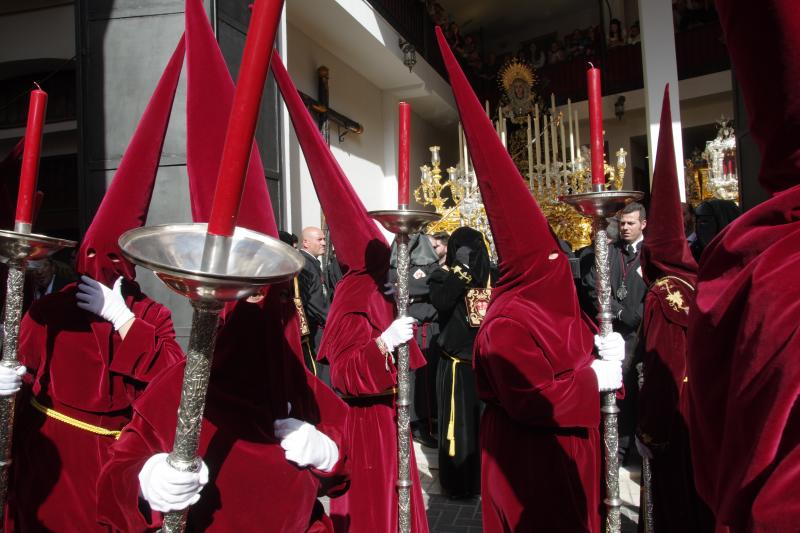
(599, 205)
(179, 256)
(403, 223)
(16, 249)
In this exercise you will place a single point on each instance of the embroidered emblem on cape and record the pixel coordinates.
(419, 274)
(477, 301)
(673, 297)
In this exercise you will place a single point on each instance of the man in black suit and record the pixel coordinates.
(315, 295)
(628, 290)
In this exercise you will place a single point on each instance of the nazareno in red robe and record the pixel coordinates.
(744, 334)
(82, 368)
(255, 374)
(540, 458)
(78, 364)
(670, 272)
(359, 314)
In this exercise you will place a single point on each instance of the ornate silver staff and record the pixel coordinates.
(403, 223)
(646, 500)
(179, 255)
(16, 249)
(598, 205)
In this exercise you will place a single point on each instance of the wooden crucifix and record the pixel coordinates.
(320, 107)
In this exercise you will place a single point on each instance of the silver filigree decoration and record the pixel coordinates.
(403, 395)
(11, 321)
(193, 398)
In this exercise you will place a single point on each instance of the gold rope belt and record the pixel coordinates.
(311, 354)
(451, 424)
(74, 422)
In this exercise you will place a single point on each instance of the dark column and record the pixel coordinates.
(123, 48)
(748, 157)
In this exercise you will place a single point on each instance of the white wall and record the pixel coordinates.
(368, 159)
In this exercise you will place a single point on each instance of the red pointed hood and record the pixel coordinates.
(521, 233)
(360, 246)
(536, 290)
(353, 231)
(767, 67)
(209, 100)
(127, 200)
(665, 251)
(251, 334)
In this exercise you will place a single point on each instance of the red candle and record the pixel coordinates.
(596, 125)
(30, 156)
(244, 115)
(403, 155)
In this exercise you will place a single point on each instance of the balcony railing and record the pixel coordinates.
(699, 51)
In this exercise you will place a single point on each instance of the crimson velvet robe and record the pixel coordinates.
(252, 487)
(663, 405)
(744, 370)
(82, 368)
(358, 370)
(540, 466)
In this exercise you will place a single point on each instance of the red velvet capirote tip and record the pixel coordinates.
(521, 232)
(127, 200)
(209, 100)
(666, 251)
(351, 228)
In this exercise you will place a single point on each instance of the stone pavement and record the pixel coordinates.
(464, 516)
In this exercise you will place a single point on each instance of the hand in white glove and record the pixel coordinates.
(305, 445)
(643, 450)
(399, 332)
(609, 374)
(167, 489)
(106, 303)
(611, 347)
(11, 379)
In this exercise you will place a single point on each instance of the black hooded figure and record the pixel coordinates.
(711, 217)
(460, 408)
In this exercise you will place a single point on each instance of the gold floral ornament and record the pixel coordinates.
(674, 297)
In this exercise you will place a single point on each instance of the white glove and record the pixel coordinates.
(11, 379)
(305, 445)
(167, 489)
(609, 374)
(400, 331)
(106, 303)
(611, 347)
(643, 450)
